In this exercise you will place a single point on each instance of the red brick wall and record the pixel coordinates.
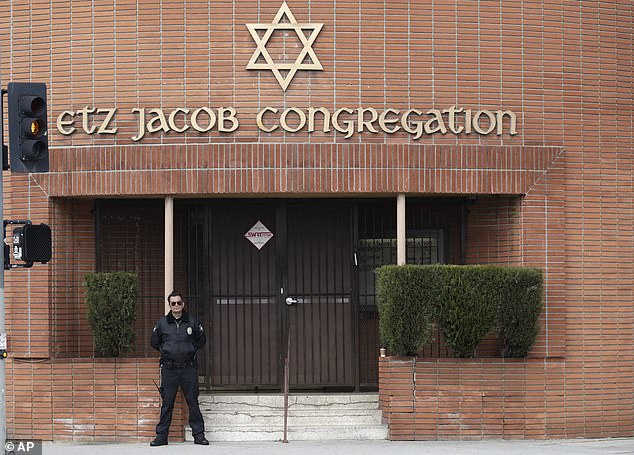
(86, 400)
(494, 234)
(27, 290)
(425, 399)
(441, 399)
(73, 227)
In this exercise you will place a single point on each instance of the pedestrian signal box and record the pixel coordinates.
(29, 243)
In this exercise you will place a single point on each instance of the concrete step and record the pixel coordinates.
(312, 433)
(259, 417)
(276, 401)
(295, 418)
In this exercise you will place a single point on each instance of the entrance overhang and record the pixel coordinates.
(191, 170)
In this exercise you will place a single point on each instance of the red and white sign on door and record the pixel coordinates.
(259, 235)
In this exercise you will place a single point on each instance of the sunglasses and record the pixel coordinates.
(178, 302)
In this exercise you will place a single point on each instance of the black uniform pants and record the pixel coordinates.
(187, 378)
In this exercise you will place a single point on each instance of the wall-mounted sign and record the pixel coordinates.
(346, 121)
(415, 122)
(259, 235)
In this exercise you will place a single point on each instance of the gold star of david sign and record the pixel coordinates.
(299, 63)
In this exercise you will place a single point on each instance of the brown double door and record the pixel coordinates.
(265, 270)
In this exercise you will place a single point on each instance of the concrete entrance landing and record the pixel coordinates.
(233, 417)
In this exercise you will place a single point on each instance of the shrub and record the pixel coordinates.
(404, 311)
(111, 301)
(519, 309)
(466, 302)
(466, 307)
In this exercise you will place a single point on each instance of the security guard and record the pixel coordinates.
(178, 337)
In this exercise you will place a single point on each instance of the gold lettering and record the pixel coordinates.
(406, 121)
(454, 119)
(437, 120)
(363, 123)
(476, 122)
(103, 129)
(300, 125)
(62, 124)
(384, 121)
(141, 129)
(210, 114)
(311, 119)
(259, 122)
(468, 121)
(222, 118)
(84, 121)
(172, 120)
(158, 122)
(452, 111)
(349, 124)
(500, 120)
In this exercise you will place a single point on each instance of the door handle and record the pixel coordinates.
(290, 301)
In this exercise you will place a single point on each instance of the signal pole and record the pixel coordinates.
(3, 365)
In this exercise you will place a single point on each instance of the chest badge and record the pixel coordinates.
(189, 330)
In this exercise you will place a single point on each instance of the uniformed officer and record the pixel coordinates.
(178, 336)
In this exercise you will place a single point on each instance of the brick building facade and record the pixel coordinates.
(516, 114)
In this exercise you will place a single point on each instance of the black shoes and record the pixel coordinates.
(159, 441)
(200, 439)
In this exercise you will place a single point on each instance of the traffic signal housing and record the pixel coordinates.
(28, 127)
(29, 243)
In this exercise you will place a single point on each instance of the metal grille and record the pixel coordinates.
(433, 233)
(130, 239)
(319, 276)
(234, 285)
(240, 293)
(323, 253)
(376, 247)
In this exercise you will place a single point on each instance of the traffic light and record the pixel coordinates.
(28, 130)
(32, 243)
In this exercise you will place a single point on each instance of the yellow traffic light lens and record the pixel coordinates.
(35, 127)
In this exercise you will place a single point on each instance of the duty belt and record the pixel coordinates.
(170, 364)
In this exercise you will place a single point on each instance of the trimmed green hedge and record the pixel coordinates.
(111, 301)
(520, 306)
(406, 318)
(464, 307)
(466, 302)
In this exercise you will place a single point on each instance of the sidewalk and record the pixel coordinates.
(522, 447)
